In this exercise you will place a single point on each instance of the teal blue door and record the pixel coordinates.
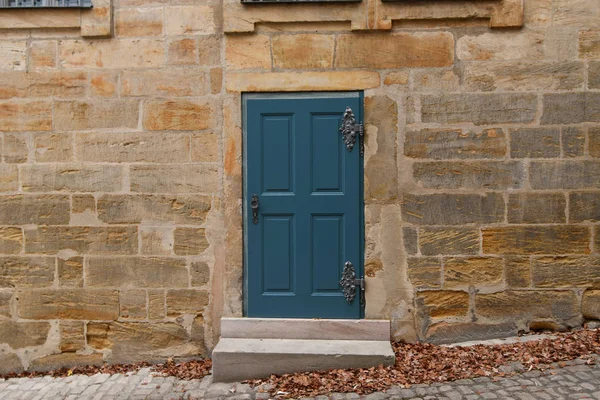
(306, 187)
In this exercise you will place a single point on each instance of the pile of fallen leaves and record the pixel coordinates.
(427, 363)
(195, 369)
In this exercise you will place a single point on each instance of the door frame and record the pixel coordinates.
(296, 95)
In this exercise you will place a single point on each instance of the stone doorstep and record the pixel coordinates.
(236, 359)
(320, 329)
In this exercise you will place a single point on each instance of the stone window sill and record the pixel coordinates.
(93, 22)
(371, 14)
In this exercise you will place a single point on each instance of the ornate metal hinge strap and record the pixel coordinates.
(349, 282)
(351, 130)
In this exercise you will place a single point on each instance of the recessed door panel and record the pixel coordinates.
(327, 250)
(327, 166)
(278, 254)
(277, 153)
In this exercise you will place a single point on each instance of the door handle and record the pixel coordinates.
(254, 205)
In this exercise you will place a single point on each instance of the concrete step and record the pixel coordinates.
(321, 329)
(236, 359)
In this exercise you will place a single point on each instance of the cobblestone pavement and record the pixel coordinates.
(572, 382)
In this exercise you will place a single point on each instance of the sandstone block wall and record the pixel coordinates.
(121, 168)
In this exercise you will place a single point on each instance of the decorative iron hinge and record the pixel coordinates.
(350, 282)
(351, 130)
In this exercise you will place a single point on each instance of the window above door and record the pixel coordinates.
(45, 3)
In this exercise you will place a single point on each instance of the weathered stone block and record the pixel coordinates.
(23, 334)
(43, 54)
(84, 304)
(303, 51)
(186, 301)
(573, 141)
(190, 241)
(157, 240)
(186, 178)
(65, 360)
(6, 296)
(72, 336)
(136, 341)
(26, 272)
(179, 115)
(53, 147)
(34, 209)
(16, 150)
(561, 43)
(189, 20)
(135, 209)
(63, 84)
(82, 239)
(523, 76)
(132, 304)
(425, 272)
(70, 272)
(590, 307)
(584, 207)
(10, 363)
(380, 167)
(434, 241)
(527, 305)
(536, 240)
(71, 178)
(566, 271)
(535, 143)
(205, 147)
(132, 147)
(571, 108)
(452, 209)
(9, 178)
(248, 51)
(445, 332)
(594, 75)
(473, 271)
(498, 46)
(209, 49)
(518, 272)
(164, 83)
(397, 78)
(157, 305)
(100, 114)
(410, 240)
(435, 81)
(536, 208)
(385, 50)
(470, 174)
(564, 174)
(443, 304)
(594, 142)
(139, 22)
(480, 109)
(81, 203)
(199, 273)
(183, 52)
(442, 144)
(216, 80)
(575, 13)
(589, 44)
(597, 239)
(13, 55)
(112, 54)
(136, 272)
(103, 83)
(25, 116)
